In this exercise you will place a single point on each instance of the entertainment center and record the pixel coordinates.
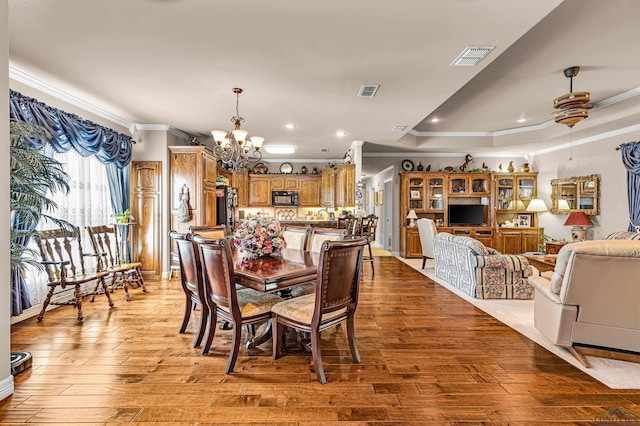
(488, 206)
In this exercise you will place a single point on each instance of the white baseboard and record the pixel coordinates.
(6, 387)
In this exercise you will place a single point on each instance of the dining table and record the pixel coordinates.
(279, 272)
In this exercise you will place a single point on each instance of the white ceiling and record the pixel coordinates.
(175, 62)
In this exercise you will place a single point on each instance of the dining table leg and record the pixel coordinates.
(263, 337)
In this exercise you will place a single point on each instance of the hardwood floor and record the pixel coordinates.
(428, 357)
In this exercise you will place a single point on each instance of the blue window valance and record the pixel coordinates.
(69, 130)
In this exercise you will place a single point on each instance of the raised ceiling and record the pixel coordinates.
(175, 62)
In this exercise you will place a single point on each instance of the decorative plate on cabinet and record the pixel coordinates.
(407, 165)
(286, 168)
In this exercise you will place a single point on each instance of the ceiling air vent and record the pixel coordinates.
(398, 128)
(471, 55)
(368, 90)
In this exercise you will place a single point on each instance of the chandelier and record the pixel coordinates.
(573, 107)
(233, 148)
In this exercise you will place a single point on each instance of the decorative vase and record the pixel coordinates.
(510, 168)
(303, 170)
(525, 167)
(420, 167)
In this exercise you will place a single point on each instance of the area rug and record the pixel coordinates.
(518, 314)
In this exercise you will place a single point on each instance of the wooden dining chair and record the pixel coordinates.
(318, 236)
(106, 246)
(367, 228)
(296, 237)
(244, 307)
(348, 223)
(334, 301)
(192, 284)
(62, 257)
(209, 231)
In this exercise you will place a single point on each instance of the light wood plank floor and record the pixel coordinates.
(428, 357)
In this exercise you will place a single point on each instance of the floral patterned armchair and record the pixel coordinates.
(480, 271)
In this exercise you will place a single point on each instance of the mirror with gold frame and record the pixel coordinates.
(575, 194)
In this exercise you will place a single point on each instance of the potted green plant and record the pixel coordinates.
(124, 217)
(33, 176)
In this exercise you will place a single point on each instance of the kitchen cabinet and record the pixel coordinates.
(346, 185)
(240, 181)
(466, 184)
(309, 194)
(259, 191)
(328, 187)
(284, 183)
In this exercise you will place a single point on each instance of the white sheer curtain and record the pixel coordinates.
(86, 204)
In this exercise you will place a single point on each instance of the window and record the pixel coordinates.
(88, 203)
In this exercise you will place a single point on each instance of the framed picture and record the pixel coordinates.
(415, 194)
(524, 220)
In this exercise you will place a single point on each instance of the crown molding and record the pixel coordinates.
(22, 77)
(589, 139)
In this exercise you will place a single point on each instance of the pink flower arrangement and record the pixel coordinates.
(259, 236)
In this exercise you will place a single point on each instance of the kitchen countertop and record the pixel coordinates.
(314, 223)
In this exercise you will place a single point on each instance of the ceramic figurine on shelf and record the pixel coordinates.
(500, 167)
(467, 159)
(428, 168)
(485, 168)
(420, 167)
(303, 170)
(510, 168)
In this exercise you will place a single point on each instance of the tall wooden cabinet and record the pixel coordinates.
(192, 171)
(503, 196)
(146, 207)
(259, 191)
(346, 185)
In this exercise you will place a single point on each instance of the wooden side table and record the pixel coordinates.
(542, 262)
(553, 247)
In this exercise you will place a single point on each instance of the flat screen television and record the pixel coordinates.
(466, 214)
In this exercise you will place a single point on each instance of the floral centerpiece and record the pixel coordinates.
(259, 236)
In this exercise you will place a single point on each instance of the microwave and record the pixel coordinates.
(284, 198)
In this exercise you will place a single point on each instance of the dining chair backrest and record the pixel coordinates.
(319, 235)
(368, 227)
(190, 270)
(62, 253)
(296, 237)
(217, 231)
(106, 245)
(349, 223)
(338, 279)
(216, 258)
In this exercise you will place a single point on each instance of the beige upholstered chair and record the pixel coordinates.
(334, 301)
(592, 297)
(427, 230)
(296, 237)
(244, 307)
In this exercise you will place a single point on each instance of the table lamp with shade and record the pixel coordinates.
(537, 205)
(563, 205)
(578, 221)
(412, 216)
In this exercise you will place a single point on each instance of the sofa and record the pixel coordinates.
(480, 271)
(592, 297)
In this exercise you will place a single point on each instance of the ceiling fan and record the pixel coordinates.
(572, 107)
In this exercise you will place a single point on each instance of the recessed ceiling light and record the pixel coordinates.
(521, 120)
(435, 119)
(290, 126)
(398, 127)
(340, 134)
(280, 149)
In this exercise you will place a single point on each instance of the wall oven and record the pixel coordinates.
(284, 198)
